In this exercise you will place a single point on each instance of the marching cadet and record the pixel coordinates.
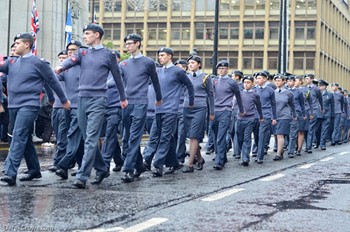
(110, 147)
(296, 125)
(347, 117)
(194, 117)
(268, 104)
(224, 90)
(285, 109)
(338, 110)
(246, 121)
(26, 77)
(325, 116)
(171, 79)
(134, 116)
(237, 76)
(304, 125)
(95, 63)
(75, 142)
(59, 124)
(317, 103)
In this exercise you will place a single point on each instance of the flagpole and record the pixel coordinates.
(9, 29)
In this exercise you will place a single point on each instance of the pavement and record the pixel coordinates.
(306, 193)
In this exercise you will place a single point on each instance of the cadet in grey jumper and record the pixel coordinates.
(246, 121)
(225, 89)
(95, 63)
(285, 113)
(317, 102)
(172, 80)
(194, 117)
(26, 77)
(268, 104)
(136, 73)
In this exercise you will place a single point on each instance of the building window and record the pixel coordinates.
(205, 5)
(112, 31)
(180, 31)
(112, 5)
(156, 31)
(253, 6)
(204, 31)
(305, 30)
(253, 60)
(181, 5)
(274, 5)
(273, 60)
(254, 30)
(131, 28)
(274, 27)
(304, 60)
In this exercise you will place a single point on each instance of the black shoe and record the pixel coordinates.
(315, 146)
(339, 143)
(187, 169)
(218, 167)
(117, 168)
(298, 153)
(29, 177)
(62, 173)
(277, 158)
(158, 172)
(147, 165)
(138, 172)
(98, 179)
(74, 173)
(79, 184)
(53, 169)
(309, 151)
(200, 164)
(275, 149)
(9, 180)
(254, 155)
(209, 151)
(171, 170)
(290, 155)
(245, 163)
(332, 144)
(237, 157)
(129, 177)
(259, 161)
(323, 148)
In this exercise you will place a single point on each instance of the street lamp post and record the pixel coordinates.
(283, 37)
(216, 36)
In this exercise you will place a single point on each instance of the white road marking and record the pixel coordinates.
(327, 159)
(223, 194)
(343, 153)
(274, 177)
(101, 230)
(145, 225)
(305, 166)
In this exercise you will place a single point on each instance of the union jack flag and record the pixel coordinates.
(34, 25)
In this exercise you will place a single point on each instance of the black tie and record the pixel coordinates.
(279, 90)
(194, 74)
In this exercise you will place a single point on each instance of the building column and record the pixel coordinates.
(192, 26)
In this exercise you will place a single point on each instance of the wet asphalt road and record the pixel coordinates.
(307, 193)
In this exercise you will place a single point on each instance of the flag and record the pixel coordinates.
(34, 25)
(95, 20)
(69, 24)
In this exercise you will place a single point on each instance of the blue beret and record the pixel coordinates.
(196, 58)
(167, 50)
(95, 28)
(223, 63)
(134, 37)
(25, 35)
(183, 62)
(249, 78)
(63, 52)
(238, 73)
(323, 83)
(74, 42)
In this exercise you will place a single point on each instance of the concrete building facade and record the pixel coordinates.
(319, 41)
(52, 19)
